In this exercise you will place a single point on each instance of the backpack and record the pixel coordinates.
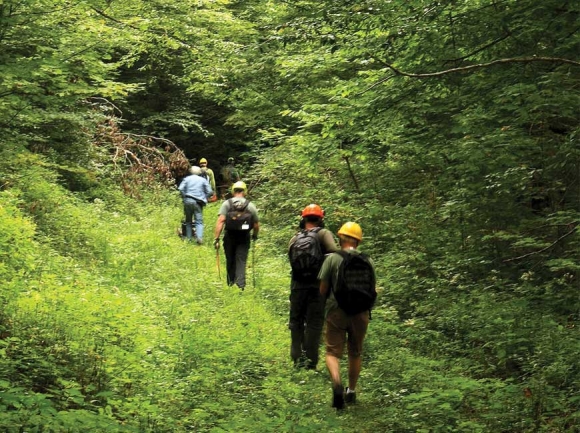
(204, 174)
(238, 217)
(229, 174)
(306, 256)
(355, 286)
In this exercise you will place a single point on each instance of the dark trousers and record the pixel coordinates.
(306, 322)
(236, 248)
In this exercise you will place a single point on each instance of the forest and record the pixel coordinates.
(449, 130)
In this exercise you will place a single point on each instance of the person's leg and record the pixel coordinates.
(230, 253)
(188, 210)
(356, 331)
(242, 249)
(335, 339)
(198, 215)
(296, 323)
(314, 325)
(333, 365)
(354, 367)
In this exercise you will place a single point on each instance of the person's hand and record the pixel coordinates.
(216, 243)
(254, 237)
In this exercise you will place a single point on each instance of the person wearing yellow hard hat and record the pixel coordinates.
(306, 252)
(347, 279)
(209, 175)
(238, 218)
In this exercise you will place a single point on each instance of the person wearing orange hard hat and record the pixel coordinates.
(306, 252)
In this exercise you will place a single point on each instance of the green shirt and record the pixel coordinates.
(329, 273)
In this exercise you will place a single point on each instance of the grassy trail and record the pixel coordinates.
(112, 323)
(219, 356)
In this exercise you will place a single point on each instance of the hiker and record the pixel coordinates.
(306, 252)
(347, 317)
(230, 174)
(207, 173)
(195, 190)
(239, 217)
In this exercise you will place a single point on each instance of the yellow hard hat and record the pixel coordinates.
(239, 185)
(203, 161)
(351, 229)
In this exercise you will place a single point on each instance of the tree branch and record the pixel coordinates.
(372, 86)
(353, 177)
(172, 36)
(480, 49)
(544, 249)
(482, 65)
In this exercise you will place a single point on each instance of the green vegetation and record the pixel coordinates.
(448, 130)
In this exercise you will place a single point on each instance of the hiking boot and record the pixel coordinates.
(350, 396)
(301, 362)
(309, 364)
(338, 397)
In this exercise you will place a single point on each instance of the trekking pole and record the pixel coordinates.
(254, 264)
(217, 263)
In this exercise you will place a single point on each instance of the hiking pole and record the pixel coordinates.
(217, 258)
(254, 264)
(217, 263)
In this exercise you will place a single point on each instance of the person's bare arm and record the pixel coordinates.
(323, 288)
(219, 226)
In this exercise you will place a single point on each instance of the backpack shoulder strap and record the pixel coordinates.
(244, 206)
(364, 257)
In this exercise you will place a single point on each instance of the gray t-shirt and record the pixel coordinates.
(226, 206)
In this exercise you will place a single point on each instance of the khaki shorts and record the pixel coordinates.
(338, 326)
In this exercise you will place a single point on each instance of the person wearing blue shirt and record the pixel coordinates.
(195, 190)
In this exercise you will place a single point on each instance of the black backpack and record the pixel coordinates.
(306, 256)
(355, 290)
(238, 217)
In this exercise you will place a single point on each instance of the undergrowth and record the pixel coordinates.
(110, 322)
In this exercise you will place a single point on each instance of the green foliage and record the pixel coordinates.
(448, 130)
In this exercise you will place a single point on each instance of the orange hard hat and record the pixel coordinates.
(313, 210)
